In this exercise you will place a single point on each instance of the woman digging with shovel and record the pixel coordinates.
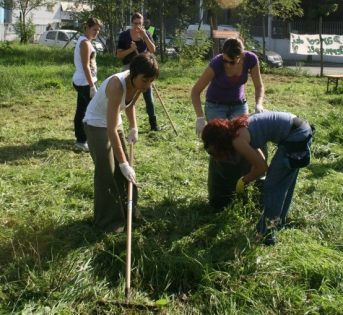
(103, 126)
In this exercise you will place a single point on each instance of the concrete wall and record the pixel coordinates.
(2, 15)
(282, 46)
(7, 32)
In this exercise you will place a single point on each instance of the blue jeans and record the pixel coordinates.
(280, 182)
(213, 111)
(222, 175)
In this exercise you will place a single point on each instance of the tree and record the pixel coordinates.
(24, 7)
(112, 15)
(318, 11)
(162, 9)
(212, 7)
(284, 9)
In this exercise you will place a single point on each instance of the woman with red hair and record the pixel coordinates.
(231, 140)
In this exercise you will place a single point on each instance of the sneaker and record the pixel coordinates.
(83, 146)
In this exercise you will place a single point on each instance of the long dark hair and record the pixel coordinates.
(146, 64)
(136, 15)
(218, 134)
(233, 47)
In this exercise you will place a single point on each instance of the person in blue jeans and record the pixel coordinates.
(227, 140)
(226, 76)
(132, 42)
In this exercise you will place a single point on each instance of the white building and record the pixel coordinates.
(58, 14)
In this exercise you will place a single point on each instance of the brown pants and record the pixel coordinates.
(110, 186)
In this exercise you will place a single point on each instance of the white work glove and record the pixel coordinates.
(259, 108)
(132, 136)
(128, 172)
(92, 91)
(200, 125)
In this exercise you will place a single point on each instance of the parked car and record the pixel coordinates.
(272, 58)
(64, 38)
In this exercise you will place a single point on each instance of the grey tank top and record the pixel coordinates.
(269, 126)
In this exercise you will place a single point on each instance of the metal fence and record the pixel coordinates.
(281, 29)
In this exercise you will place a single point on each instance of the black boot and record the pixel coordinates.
(153, 123)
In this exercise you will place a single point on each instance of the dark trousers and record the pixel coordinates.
(83, 99)
(222, 179)
(110, 186)
(149, 103)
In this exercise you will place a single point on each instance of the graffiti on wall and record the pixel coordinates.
(306, 44)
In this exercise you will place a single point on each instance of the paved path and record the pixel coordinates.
(316, 70)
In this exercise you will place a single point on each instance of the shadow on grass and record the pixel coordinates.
(171, 251)
(20, 152)
(177, 246)
(49, 242)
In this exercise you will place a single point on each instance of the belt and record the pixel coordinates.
(231, 103)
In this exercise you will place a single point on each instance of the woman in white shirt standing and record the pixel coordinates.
(84, 77)
(103, 126)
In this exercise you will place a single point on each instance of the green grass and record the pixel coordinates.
(52, 261)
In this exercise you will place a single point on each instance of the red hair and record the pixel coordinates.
(219, 133)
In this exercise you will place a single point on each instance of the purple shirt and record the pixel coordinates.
(224, 89)
(124, 42)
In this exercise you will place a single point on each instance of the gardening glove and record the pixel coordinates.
(259, 108)
(200, 125)
(133, 135)
(92, 91)
(240, 186)
(128, 172)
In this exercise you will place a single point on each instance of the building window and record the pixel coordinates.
(8, 16)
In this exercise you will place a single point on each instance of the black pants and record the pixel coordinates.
(83, 99)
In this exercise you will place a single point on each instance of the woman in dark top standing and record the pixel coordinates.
(132, 42)
(225, 77)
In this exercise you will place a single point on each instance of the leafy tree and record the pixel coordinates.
(111, 13)
(25, 30)
(318, 11)
(24, 7)
(284, 9)
(163, 9)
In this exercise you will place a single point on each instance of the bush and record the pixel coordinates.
(25, 31)
(195, 50)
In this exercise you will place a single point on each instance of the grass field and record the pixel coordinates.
(52, 261)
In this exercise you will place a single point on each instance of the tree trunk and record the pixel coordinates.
(321, 45)
(162, 33)
(214, 26)
(264, 36)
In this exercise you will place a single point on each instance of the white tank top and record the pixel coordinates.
(96, 114)
(79, 77)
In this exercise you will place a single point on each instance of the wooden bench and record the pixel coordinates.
(224, 34)
(333, 79)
